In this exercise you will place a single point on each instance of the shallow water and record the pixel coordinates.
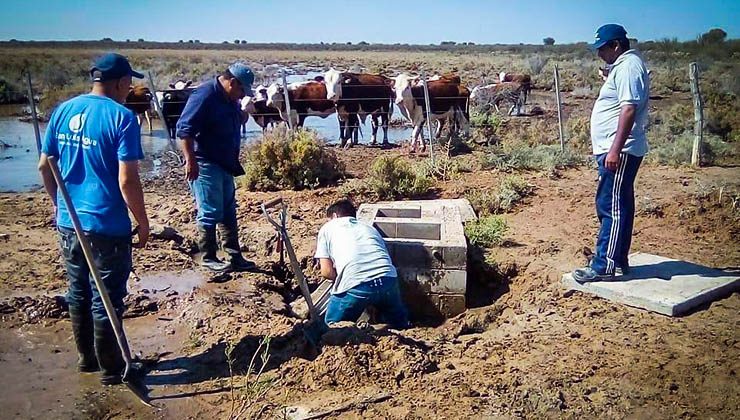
(18, 171)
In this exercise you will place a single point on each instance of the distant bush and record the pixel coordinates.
(390, 177)
(548, 41)
(284, 160)
(487, 231)
(509, 193)
(543, 157)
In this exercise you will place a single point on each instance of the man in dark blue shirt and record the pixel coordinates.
(97, 143)
(209, 130)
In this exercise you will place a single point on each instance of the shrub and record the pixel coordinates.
(536, 63)
(285, 160)
(677, 151)
(390, 177)
(509, 193)
(487, 231)
(543, 157)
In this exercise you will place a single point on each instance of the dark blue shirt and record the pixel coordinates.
(214, 121)
(90, 135)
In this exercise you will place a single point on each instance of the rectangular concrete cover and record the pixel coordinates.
(662, 285)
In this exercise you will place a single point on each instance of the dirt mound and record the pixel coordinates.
(36, 309)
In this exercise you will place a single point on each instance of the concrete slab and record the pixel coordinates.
(669, 287)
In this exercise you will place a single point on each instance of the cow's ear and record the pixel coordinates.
(188, 83)
(319, 79)
(172, 85)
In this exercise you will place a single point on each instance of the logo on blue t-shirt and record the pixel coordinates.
(76, 123)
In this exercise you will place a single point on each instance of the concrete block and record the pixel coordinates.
(455, 256)
(662, 285)
(441, 281)
(411, 254)
(449, 305)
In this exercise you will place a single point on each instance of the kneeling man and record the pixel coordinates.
(354, 255)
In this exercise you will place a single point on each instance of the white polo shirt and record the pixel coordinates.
(357, 250)
(628, 83)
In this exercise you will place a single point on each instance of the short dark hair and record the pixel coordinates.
(342, 208)
(624, 43)
(226, 74)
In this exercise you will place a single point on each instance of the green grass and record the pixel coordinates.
(486, 232)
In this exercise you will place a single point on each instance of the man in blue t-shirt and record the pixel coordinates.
(210, 136)
(618, 124)
(97, 143)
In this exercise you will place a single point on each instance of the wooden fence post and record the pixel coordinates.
(698, 115)
(286, 95)
(34, 117)
(429, 116)
(560, 108)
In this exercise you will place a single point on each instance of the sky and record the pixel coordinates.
(374, 21)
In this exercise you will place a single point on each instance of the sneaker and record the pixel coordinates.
(587, 275)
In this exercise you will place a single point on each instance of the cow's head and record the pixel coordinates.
(402, 86)
(260, 92)
(181, 84)
(333, 82)
(502, 76)
(247, 104)
(275, 96)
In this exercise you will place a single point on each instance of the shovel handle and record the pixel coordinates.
(273, 202)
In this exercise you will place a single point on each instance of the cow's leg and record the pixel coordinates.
(148, 120)
(374, 123)
(138, 119)
(385, 120)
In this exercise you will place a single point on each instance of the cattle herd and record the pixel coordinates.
(353, 97)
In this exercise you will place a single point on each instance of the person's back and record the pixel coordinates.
(358, 251)
(354, 255)
(90, 134)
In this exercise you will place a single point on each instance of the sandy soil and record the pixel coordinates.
(529, 350)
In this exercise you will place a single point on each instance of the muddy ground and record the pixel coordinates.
(525, 349)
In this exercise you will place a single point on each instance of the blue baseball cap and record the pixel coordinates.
(608, 33)
(244, 75)
(112, 66)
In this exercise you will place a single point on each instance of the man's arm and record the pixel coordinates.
(50, 184)
(327, 268)
(191, 164)
(624, 128)
(130, 185)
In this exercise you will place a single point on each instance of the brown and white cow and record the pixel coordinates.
(523, 79)
(256, 107)
(306, 99)
(358, 95)
(448, 101)
(139, 100)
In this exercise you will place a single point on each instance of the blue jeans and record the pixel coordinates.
(382, 293)
(215, 196)
(615, 206)
(112, 257)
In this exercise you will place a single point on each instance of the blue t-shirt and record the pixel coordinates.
(89, 135)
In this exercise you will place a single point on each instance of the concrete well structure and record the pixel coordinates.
(427, 244)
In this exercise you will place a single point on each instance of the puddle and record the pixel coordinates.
(18, 171)
(167, 282)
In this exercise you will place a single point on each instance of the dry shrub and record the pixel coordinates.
(512, 190)
(285, 160)
(390, 177)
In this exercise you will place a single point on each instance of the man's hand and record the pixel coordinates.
(142, 232)
(611, 162)
(191, 170)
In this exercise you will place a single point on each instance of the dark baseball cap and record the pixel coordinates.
(608, 32)
(112, 66)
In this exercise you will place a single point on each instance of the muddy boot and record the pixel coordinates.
(82, 328)
(208, 246)
(109, 355)
(230, 238)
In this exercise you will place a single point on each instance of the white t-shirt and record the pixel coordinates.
(628, 83)
(357, 250)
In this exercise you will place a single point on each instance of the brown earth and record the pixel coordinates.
(529, 350)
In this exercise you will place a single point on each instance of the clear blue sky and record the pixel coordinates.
(383, 21)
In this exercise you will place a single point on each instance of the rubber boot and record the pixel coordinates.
(82, 328)
(208, 247)
(230, 238)
(109, 355)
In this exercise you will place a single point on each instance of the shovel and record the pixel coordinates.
(129, 376)
(316, 327)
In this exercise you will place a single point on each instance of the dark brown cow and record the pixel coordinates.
(139, 100)
(358, 95)
(306, 99)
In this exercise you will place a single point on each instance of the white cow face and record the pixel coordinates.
(247, 105)
(260, 93)
(275, 96)
(181, 84)
(402, 86)
(333, 82)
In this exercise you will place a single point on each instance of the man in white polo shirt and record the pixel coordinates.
(354, 255)
(618, 123)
